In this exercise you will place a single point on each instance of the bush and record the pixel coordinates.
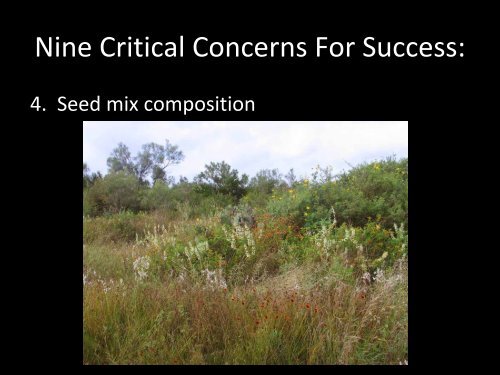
(293, 203)
(363, 249)
(369, 191)
(114, 193)
(220, 178)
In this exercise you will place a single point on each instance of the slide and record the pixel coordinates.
(246, 196)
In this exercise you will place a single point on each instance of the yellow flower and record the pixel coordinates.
(306, 214)
(308, 208)
(290, 191)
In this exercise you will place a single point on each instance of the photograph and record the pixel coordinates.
(245, 243)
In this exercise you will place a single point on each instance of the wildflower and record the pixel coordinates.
(141, 266)
(197, 250)
(366, 278)
(257, 322)
(308, 306)
(215, 279)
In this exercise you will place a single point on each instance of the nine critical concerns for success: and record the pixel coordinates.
(202, 47)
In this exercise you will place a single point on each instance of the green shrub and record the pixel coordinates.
(364, 249)
(368, 191)
(114, 193)
(293, 203)
(157, 197)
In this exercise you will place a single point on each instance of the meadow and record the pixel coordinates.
(271, 270)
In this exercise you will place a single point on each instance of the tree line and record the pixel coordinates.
(143, 182)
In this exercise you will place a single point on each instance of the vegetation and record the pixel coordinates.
(228, 269)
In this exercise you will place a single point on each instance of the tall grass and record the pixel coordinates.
(208, 291)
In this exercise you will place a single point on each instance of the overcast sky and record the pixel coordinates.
(251, 146)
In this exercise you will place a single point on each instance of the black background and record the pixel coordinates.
(433, 94)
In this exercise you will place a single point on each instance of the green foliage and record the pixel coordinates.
(121, 227)
(369, 191)
(89, 179)
(220, 178)
(115, 192)
(158, 197)
(218, 272)
(294, 203)
(370, 247)
(261, 187)
(120, 160)
(153, 160)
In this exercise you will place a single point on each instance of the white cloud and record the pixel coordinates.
(251, 146)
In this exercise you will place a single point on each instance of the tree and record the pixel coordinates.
(222, 179)
(120, 160)
(183, 180)
(85, 174)
(152, 161)
(322, 175)
(291, 178)
(266, 180)
(89, 179)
